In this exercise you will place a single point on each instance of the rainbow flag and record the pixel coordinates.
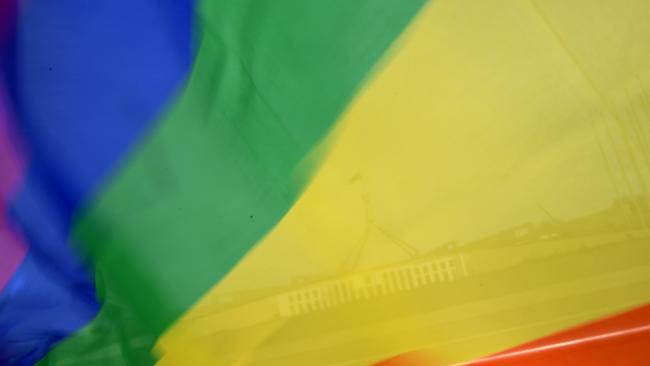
(343, 182)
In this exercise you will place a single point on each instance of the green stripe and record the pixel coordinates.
(269, 81)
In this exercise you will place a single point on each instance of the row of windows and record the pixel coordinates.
(370, 285)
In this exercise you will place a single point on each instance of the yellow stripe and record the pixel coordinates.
(488, 187)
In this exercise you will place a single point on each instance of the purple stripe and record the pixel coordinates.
(8, 10)
(12, 245)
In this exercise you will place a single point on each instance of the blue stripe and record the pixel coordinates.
(33, 317)
(88, 79)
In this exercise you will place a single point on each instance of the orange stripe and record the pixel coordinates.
(623, 339)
